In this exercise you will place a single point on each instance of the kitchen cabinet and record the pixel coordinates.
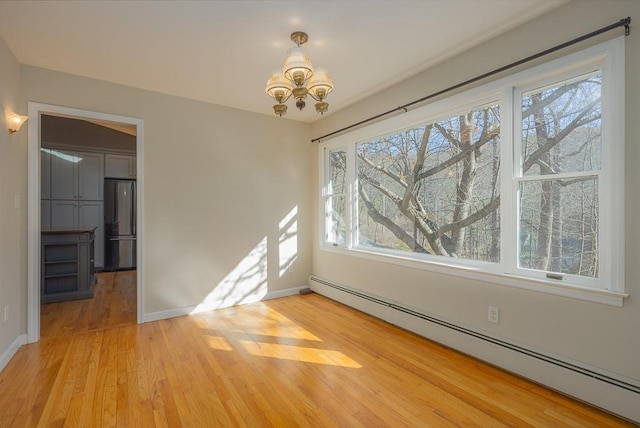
(45, 214)
(66, 214)
(76, 175)
(91, 216)
(45, 173)
(120, 166)
(67, 271)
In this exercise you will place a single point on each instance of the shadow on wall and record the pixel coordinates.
(248, 281)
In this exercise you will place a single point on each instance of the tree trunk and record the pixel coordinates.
(465, 185)
(545, 224)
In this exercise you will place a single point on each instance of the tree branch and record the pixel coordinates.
(575, 123)
(399, 233)
(382, 170)
(460, 156)
(478, 215)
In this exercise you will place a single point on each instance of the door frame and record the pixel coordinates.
(35, 111)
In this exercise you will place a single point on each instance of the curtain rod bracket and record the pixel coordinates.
(627, 22)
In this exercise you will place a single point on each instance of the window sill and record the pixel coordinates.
(588, 294)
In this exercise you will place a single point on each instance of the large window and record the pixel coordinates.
(560, 163)
(521, 178)
(433, 188)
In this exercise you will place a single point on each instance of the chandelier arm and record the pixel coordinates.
(284, 100)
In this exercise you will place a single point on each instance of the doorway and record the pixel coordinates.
(36, 112)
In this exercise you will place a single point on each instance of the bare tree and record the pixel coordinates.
(435, 188)
(558, 131)
(403, 169)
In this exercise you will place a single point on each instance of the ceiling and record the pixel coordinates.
(222, 52)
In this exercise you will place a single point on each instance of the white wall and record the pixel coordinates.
(13, 152)
(593, 334)
(219, 183)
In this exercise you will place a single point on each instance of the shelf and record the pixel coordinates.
(61, 275)
(61, 268)
(67, 265)
(54, 252)
(53, 262)
(60, 284)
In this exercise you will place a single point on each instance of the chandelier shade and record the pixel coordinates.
(298, 78)
(278, 87)
(320, 84)
(297, 66)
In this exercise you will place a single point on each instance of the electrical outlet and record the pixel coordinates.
(493, 315)
(6, 313)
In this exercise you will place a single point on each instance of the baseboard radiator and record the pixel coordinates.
(419, 323)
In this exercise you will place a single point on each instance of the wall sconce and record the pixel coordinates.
(15, 121)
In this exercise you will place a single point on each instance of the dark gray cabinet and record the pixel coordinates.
(76, 175)
(67, 271)
(119, 166)
(72, 186)
(67, 214)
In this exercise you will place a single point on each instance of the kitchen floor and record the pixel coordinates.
(113, 304)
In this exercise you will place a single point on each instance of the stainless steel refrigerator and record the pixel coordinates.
(120, 224)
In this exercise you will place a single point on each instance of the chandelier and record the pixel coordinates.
(298, 78)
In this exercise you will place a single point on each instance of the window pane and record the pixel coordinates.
(559, 226)
(337, 172)
(433, 188)
(335, 220)
(561, 127)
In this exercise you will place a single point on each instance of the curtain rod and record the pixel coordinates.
(622, 23)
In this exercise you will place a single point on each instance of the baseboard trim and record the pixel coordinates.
(613, 393)
(11, 350)
(195, 309)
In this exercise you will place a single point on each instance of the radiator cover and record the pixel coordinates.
(599, 388)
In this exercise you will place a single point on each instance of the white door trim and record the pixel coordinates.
(33, 196)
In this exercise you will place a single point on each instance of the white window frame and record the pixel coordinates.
(609, 287)
(325, 165)
(518, 178)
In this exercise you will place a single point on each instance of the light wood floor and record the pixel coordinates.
(297, 361)
(113, 304)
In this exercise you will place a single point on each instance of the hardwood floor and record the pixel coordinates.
(295, 361)
(113, 304)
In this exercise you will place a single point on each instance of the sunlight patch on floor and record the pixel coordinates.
(219, 343)
(299, 353)
(265, 321)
